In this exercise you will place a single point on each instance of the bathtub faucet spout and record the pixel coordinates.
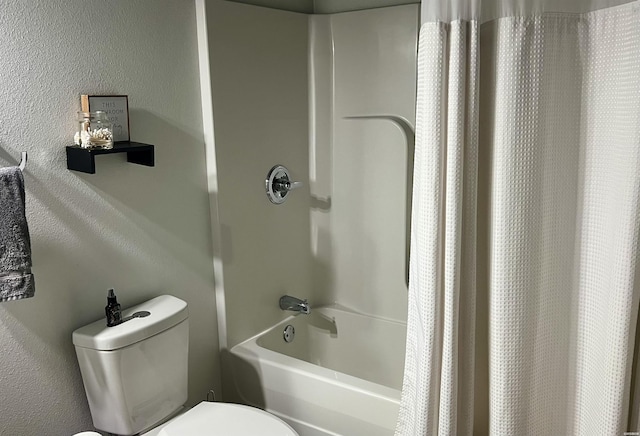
(295, 304)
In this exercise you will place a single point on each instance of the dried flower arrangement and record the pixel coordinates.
(98, 138)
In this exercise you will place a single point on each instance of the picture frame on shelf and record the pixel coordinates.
(116, 108)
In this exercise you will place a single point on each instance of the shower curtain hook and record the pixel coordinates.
(23, 162)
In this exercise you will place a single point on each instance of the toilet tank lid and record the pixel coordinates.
(165, 312)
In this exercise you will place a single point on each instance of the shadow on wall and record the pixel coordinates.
(146, 205)
(11, 160)
(165, 216)
(321, 204)
(323, 289)
(244, 385)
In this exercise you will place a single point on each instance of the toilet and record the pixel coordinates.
(135, 378)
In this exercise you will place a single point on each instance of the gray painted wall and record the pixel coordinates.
(144, 231)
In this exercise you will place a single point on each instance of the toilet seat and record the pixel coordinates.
(224, 419)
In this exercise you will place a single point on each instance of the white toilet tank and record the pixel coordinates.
(135, 373)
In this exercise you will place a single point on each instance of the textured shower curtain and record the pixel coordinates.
(525, 272)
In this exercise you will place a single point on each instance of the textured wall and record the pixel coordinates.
(260, 107)
(144, 231)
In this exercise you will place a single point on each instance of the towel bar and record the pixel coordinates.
(23, 161)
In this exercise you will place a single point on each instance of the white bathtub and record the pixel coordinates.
(341, 375)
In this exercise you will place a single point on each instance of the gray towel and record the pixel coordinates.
(16, 280)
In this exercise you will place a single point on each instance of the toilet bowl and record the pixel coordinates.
(223, 419)
(135, 378)
(219, 419)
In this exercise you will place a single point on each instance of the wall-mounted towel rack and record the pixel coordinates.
(23, 161)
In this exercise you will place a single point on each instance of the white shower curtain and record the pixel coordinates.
(525, 271)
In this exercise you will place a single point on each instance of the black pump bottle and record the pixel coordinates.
(114, 317)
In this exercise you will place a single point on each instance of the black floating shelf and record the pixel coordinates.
(84, 159)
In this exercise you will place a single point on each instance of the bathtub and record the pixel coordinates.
(340, 376)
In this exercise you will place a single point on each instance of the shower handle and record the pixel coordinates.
(278, 184)
(286, 185)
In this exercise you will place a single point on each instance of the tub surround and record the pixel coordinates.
(332, 98)
(362, 88)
